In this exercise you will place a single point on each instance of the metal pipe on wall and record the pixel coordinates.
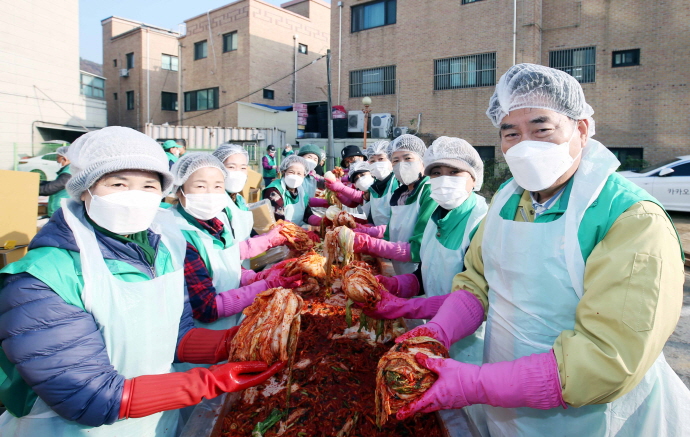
(294, 72)
(148, 76)
(514, 30)
(340, 45)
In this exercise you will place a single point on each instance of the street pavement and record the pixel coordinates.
(677, 349)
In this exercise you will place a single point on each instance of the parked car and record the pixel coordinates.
(45, 165)
(669, 182)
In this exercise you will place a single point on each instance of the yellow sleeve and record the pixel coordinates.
(472, 279)
(632, 300)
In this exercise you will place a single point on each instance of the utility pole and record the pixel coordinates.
(331, 145)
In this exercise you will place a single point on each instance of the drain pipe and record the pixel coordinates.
(340, 45)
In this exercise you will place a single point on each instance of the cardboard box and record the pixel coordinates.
(19, 194)
(254, 180)
(8, 256)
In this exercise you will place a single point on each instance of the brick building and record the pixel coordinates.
(250, 45)
(441, 59)
(141, 64)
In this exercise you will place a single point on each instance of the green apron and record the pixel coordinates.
(54, 199)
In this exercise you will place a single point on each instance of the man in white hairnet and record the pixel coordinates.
(579, 274)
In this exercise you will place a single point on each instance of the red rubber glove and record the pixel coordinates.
(150, 394)
(205, 346)
(532, 381)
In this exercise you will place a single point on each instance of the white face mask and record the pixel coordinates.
(537, 165)
(176, 152)
(205, 206)
(408, 172)
(364, 182)
(380, 170)
(449, 191)
(311, 165)
(124, 212)
(293, 181)
(235, 181)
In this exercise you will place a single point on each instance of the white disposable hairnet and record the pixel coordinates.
(225, 150)
(62, 151)
(407, 142)
(456, 153)
(191, 162)
(291, 160)
(537, 86)
(111, 149)
(359, 167)
(377, 148)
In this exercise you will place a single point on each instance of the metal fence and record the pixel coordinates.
(579, 63)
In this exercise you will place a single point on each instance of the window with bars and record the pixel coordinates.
(169, 62)
(92, 86)
(579, 63)
(130, 100)
(200, 50)
(230, 42)
(626, 58)
(373, 14)
(201, 100)
(372, 82)
(168, 101)
(465, 72)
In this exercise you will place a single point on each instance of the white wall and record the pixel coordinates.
(39, 61)
(249, 115)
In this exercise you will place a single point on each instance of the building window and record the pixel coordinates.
(114, 96)
(200, 50)
(230, 42)
(464, 2)
(130, 99)
(579, 63)
(169, 62)
(303, 49)
(465, 72)
(168, 101)
(626, 58)
(130, 60)
(92, 86)
(372, 82)
(269, 94)
(114, 62)
(629, 157)
(201, 100)
(486, 153)
(374, 14)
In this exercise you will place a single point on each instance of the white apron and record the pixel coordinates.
(294, 212)
(242, 221)
(309, 186)
(439, 267)
(530, 306)
(225, 265)
(400, 229)
(139, 322)
(381, 206)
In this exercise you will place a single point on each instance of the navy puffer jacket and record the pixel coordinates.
(55, 346)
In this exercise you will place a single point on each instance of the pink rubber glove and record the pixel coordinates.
(314, 220)
(247, 277)
(459, 316)
(405, 286)
(531, 381)
(259, 244)
(350, 197)
(381, 248)
(234, 301)
(391, 307)
(317, 202)
(372, 231)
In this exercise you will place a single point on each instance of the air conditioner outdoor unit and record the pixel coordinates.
(124, 72)
(400, 130)
(381, 125)
(355, 121)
